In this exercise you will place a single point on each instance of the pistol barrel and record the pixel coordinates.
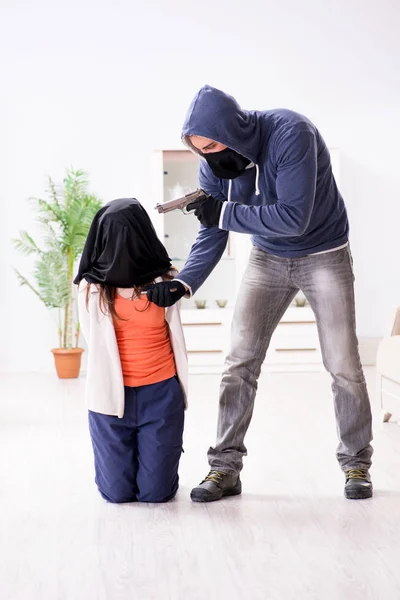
(182, 203)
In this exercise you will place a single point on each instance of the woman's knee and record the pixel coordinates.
(115, 497)
(157, 492)
(155, 499)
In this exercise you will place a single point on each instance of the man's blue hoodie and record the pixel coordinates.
(287, 199)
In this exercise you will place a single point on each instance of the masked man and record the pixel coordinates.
(269, 174)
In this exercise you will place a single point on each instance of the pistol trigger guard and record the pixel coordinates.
(186, 211)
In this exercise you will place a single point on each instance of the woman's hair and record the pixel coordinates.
(108, 293)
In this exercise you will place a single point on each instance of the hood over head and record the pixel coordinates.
(217, 116)
(122, 248)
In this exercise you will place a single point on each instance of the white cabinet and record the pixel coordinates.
(179, 231)
(207, 335)
(294, 344)
(295, 341)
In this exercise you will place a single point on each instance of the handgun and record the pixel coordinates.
(195, 198)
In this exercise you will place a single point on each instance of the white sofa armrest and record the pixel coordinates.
(388, 358)
(395, 322)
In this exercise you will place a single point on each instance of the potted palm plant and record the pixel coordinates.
(64, 218)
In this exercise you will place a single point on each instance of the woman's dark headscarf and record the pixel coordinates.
(122, 248)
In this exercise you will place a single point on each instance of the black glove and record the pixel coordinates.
(165, 293)
(208, 212)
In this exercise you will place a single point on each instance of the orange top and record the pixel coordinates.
(143, 342)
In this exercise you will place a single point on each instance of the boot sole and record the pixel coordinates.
(204, 496)
(360, 494)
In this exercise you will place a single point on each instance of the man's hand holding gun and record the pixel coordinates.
(206, 208)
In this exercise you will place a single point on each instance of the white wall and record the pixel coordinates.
(99, 84)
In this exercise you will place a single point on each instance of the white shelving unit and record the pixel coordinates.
(180, 170)
(207, 334)
(294, 344)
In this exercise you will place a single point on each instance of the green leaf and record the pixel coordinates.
(23, 281)
(26, 245)
(64, 218)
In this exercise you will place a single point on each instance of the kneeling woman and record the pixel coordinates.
(137, 365)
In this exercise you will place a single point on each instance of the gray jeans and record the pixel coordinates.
(268, 287)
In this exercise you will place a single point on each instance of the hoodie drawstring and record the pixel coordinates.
(257, 187)
(257, 180)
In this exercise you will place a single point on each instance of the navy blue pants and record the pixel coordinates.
(137, 457)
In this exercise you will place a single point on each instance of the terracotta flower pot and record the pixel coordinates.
(68, 362)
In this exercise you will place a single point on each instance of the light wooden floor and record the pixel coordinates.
(291, 535)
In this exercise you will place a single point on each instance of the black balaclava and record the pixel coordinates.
(122, 248)
(226, 164)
